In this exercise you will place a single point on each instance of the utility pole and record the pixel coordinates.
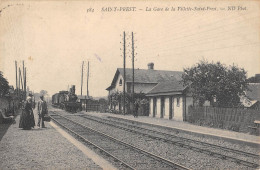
(133, 57)
(21, 79)
(82, 77)
(124, 76)
(25, 83)
(87, 80)
(16, 76)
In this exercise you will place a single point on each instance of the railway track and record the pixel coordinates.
(124, 156)
(234, 155)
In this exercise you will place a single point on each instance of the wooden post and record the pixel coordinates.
(133, 65)
(16, 77)
(25, 83)
(87, 80)
(19, 82)
(124, 77)
(21, 78)
(82, 77)
(24, 89)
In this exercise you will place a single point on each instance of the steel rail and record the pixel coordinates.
(237, 160)
(159, 158)
(91, 143)
(195, 141)
(191, 140)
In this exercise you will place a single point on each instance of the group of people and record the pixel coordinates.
(27, 117)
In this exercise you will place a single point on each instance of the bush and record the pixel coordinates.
(234, 127)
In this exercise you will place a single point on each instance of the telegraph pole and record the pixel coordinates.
(16, 77)
(124, 75)
(87, 80)
(82, 77)
(133, 57)
(25, 83)
(23, 72)
(21, 78)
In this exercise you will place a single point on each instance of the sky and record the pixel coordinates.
(54, 37)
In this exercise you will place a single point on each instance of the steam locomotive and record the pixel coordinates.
(67, 100)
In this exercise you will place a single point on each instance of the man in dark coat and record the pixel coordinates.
(42, 110)
(136, 106)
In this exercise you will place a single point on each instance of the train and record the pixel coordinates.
(67, 100)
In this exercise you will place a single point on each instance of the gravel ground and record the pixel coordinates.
(40, 149)
(186, 157)
(227, 144)
(232, 154)
(193, 136)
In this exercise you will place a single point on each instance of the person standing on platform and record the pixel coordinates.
(27, 118)
(136, 106)
(42, 110)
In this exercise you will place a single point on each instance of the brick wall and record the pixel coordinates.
(225, 118)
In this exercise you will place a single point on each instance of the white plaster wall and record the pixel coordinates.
(151, 107)
(167, 110)
(118, 87)
(178, 109)
(173, 107)
(189, 101)
(158, 103)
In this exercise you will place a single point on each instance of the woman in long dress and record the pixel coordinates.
(27, 117)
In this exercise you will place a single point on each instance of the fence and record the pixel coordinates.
(93, 107)
(235, 119)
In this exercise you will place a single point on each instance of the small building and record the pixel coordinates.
(252, 97)
(83, 99)
(144, 80)
(169, 100)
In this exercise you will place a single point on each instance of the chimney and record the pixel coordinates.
(150, 66)
(72, 89)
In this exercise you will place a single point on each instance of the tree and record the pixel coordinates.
(44, 93)
(4, 85)
(216, 83)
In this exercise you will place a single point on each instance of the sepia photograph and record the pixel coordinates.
(144, 85)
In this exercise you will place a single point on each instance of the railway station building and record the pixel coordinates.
(167, 97)
(169, 100)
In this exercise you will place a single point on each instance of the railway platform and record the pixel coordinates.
(46, 148)
(220, 134)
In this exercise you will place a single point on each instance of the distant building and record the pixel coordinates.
(252, 97)
(83, 100)
(254, 79)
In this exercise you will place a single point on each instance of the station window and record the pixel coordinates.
(120, 82)
(178, 102)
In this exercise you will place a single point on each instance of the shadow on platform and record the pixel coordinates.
(4, 127)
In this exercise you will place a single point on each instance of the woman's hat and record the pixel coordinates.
(28, 98)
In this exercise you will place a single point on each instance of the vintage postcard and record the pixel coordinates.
(169, 84)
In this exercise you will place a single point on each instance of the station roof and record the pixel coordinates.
(167, 87)
(146, 76)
